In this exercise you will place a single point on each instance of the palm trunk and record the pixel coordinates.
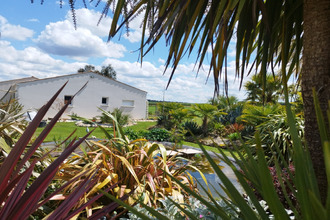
(316, 73)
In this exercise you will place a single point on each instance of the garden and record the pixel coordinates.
(280, 162)
(119, 169)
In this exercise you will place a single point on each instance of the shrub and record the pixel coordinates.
(132, 135)
(121, 118)
(232, 114)
(137, 166)
(157, 134)
(12, 121)
(233, 128)
(171, 211)
(192, 128)
(165, 117)
(274, 134)
(234, 136)
(21, 194)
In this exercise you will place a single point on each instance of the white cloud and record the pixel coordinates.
(62, 39)
(88, 19)
(15, 32)
(31, 62)
(33, 20)
(184, 87)
(135, 29)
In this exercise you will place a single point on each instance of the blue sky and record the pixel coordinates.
(40, 40)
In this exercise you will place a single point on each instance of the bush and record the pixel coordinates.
(234, 136)
(121, 118)
(286, 178)
(274, 134)
(132, 135)
(157, 134)
(192, 128)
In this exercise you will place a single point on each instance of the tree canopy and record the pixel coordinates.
(107, 71)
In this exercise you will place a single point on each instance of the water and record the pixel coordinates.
(212, 179)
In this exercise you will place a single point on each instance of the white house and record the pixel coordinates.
(100, 92)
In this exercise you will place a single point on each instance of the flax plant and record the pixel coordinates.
(140, 167)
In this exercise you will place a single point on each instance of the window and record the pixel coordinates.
(105, 100)
(128, 103)
(67, 99)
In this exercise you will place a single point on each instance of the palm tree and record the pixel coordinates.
(275, 31)
(292, 34)
(207, 112)
(256, 94)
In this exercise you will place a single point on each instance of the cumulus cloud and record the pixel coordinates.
(31, 62)
(186, 85)
(60, 38)
(15, 32)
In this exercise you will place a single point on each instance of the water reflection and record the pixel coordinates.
(213, 180)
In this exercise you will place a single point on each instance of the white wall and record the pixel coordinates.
(86, 103)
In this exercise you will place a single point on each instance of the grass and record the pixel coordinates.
(208, 148)
(63, 129)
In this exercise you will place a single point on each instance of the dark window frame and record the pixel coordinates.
(67, 98)
(104, 100)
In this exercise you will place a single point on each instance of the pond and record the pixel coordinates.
(213, 180)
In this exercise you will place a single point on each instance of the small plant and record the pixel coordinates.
(132, 134)
(74, 116)
(234, 128)
(12, 121)
(169, 209)
(157, 134)
(121, 118)
(234, 136)
(22, 192)
(192, 128)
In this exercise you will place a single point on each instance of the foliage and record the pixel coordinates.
(234, 128)
(298, 187)
(275, 134)
(132, 134)
(12, 121)
(165, 109)
(283, 184)
(20, 193)
(157, 134)
(192, 128)
(232, 113)
(171, 211)
(223, 102)
(107, 71)
(207, 112)
(138, 165)
(258, 93)
(255, 115)
(273, 36)
(121, 118)
(234, 136)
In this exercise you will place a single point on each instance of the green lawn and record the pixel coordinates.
(209, 148)
(63, 129)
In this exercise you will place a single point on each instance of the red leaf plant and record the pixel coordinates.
(17, 199)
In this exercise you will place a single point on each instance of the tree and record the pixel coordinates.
(256, 94)
(271, 32)
(88, 68)
(108, 71)
(207, 112)
(268, 33)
